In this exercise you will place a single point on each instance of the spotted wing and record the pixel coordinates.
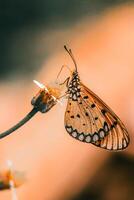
(89, 119)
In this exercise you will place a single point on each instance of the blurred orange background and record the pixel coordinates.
(58, 167)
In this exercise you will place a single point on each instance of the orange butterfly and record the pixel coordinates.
(89, 119)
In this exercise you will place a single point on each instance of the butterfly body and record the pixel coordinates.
(74, 87)
(89, 119)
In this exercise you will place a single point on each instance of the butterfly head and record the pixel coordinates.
(75, 75)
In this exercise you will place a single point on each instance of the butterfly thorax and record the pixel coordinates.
(74, 87)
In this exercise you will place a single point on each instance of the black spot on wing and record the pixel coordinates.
(87, 114)
(93, 105)
(114, 124)
(85, 97)
(96, 118)
(78, 115)
(103, 111)
(72, 116)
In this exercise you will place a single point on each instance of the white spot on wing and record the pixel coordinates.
(124, 143)
(102, 134)
(88, 138)
(74, 134)
(69, 129)
(81, 137)
(120, 145)
(95, 137)
(106, 127)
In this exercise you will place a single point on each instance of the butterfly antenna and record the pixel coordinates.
(71, 55)
(21, 123)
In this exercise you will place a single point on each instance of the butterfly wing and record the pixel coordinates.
(117, 137)
(89, 119)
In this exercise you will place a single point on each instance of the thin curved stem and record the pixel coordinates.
(20, 123)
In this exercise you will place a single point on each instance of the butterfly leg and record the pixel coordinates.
(66, 81)
(63, 66)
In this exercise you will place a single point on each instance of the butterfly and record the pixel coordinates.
(88, 119)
